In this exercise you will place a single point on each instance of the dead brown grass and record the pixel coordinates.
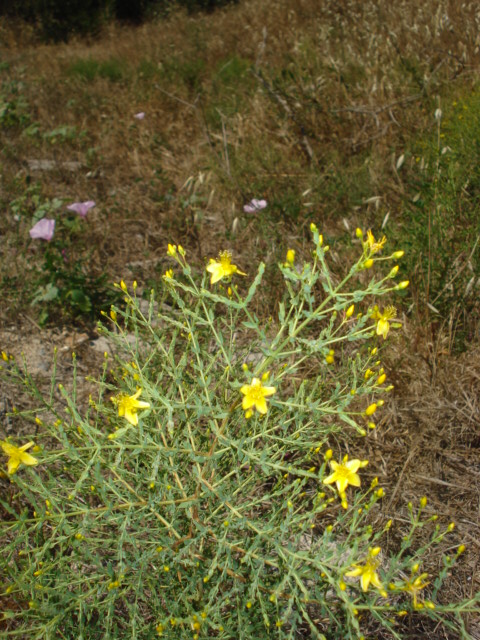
(356, 76)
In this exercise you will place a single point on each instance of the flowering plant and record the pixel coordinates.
(215, 506)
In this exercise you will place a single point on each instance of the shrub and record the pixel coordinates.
(197, 495)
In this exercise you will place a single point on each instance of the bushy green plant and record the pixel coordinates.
(60, 282)
(14, 108)
(441, 215)
(205, 490)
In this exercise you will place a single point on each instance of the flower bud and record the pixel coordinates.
(370, 410)
(290, 256)
(403, 285)
(393, 272)
(350, 311)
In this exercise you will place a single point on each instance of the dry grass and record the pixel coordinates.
(268, 99)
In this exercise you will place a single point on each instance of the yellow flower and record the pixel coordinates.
(168, 274)
(172, 250)
(414, 586)
(368, 571)
(345, 473)
(255, 394)
(223, 267)
(374, 245)
(383, 326)
(17, 456)
(129, 405)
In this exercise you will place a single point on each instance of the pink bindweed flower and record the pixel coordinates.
(82, 208)
(139, 116)
(43, 230)
(255, 205)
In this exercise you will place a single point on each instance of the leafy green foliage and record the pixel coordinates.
(89, 69)
(440, 226)
(189, 514)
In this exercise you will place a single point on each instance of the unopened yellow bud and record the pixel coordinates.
(350, 311)
(368, 264)
(423, 502)
(398, 254)
(461, 549)
(370, 410)
(181, 250)
(380, 493)
(381, 379)
(113, 315)
(403, 285)
(328, 454)
(172, 250)
(123, 286)
(290, 256)
(265, 376)
(359, 232)
(451, 527)
(393, 272)
(313, 227)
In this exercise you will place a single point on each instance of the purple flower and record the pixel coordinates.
(43, 230)
(255, 205)
(139, 116)
(82, 208)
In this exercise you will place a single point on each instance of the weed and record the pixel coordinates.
(198, 493)
(89, 69)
